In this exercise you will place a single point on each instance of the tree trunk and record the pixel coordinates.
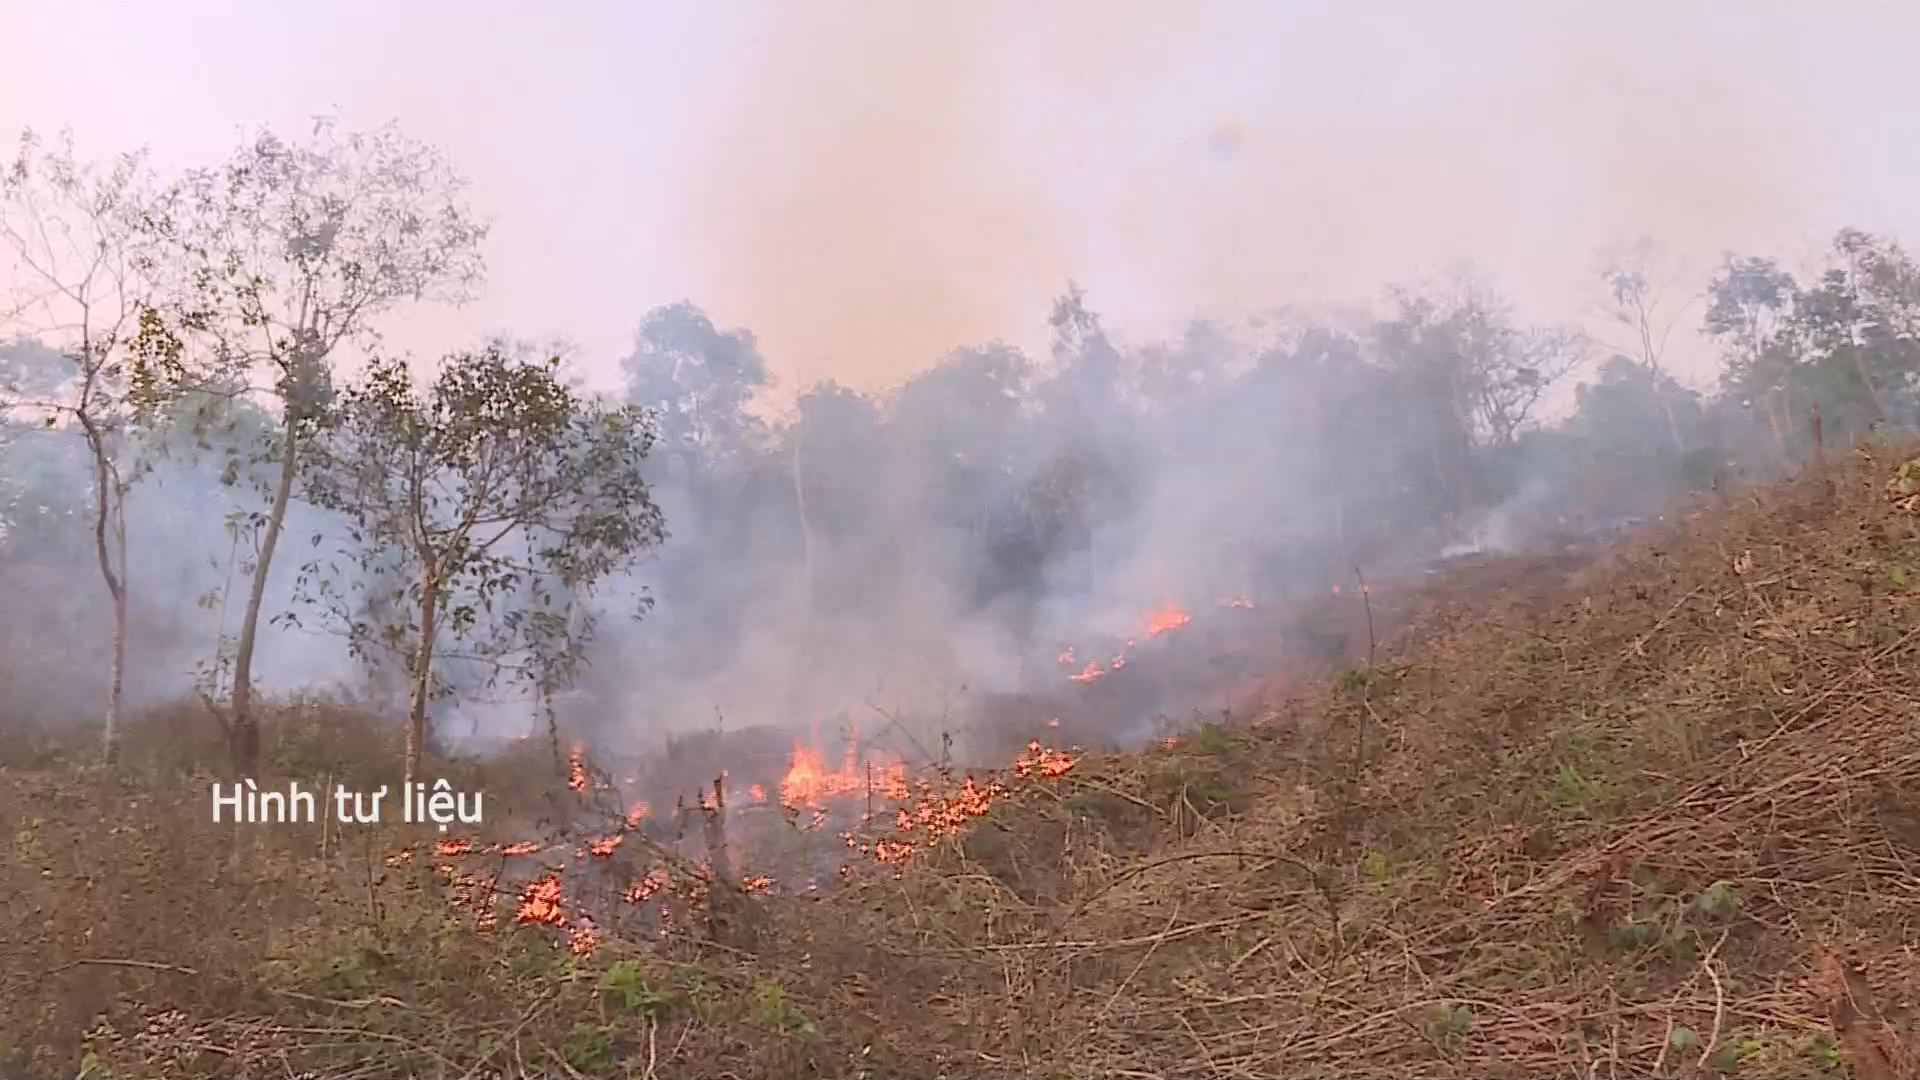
(243, 732)
(806, 528)
(1866, 380)
(113, 568)
(116, 678)
(422, 680)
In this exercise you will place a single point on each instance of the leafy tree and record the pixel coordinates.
(75, 231)
(1467, 380)
(956, 427)
(1617, 415)
(276, 261)
(699, 380)
(838, 448)
(1847, 343)
(484, 507)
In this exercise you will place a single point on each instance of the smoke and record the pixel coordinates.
(191, 540)
(890, 183)
(893, 181)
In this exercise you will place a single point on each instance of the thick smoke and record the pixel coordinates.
(889, 183)
(998, 466)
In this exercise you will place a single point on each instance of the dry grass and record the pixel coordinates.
(1659, 816)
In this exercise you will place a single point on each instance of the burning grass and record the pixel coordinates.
(1659, 815)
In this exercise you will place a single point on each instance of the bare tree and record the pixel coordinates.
(495, 500)
(75, 231)
(1639, 301)
(282, 257)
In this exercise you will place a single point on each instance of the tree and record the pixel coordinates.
(1467, 379)
(1638, 304)
(76, 232)
(1617, 417)
(699, 380)
(277, 260)
(1848, 343)
(491, 503)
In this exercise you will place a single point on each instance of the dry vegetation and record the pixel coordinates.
(1657, 816)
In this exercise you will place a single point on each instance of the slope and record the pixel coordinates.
(1659, 815)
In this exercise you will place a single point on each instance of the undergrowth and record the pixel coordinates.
(1660, 816)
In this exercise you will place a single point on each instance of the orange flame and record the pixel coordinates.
(540, 902)
(1167, 618)
(643, 890)
(1043, 761)
(809, 782)
(582, 938)
(576, 768)
(1089, 673)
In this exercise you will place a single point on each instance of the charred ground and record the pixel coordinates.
(1655, 812)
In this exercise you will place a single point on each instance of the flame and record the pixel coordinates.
(939, 811)
(643, 890)
(581, 939)
(809, 782)
(1167, 618)
(1039, 759)
(1236, 602)
(1089, 673)
(1066, 657)
(576, 768)
(540, 901)
(636, 814)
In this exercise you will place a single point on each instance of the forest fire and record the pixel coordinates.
(576, 768)
(1039, 760)
(1160, 621)
(809, 783)
(540, 901)
(1165, 619)
(922, 812)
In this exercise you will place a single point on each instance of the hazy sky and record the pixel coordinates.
(869, 184)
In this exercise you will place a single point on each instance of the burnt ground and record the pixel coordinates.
(1655, 812)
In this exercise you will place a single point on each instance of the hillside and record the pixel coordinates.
(1656, 814)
